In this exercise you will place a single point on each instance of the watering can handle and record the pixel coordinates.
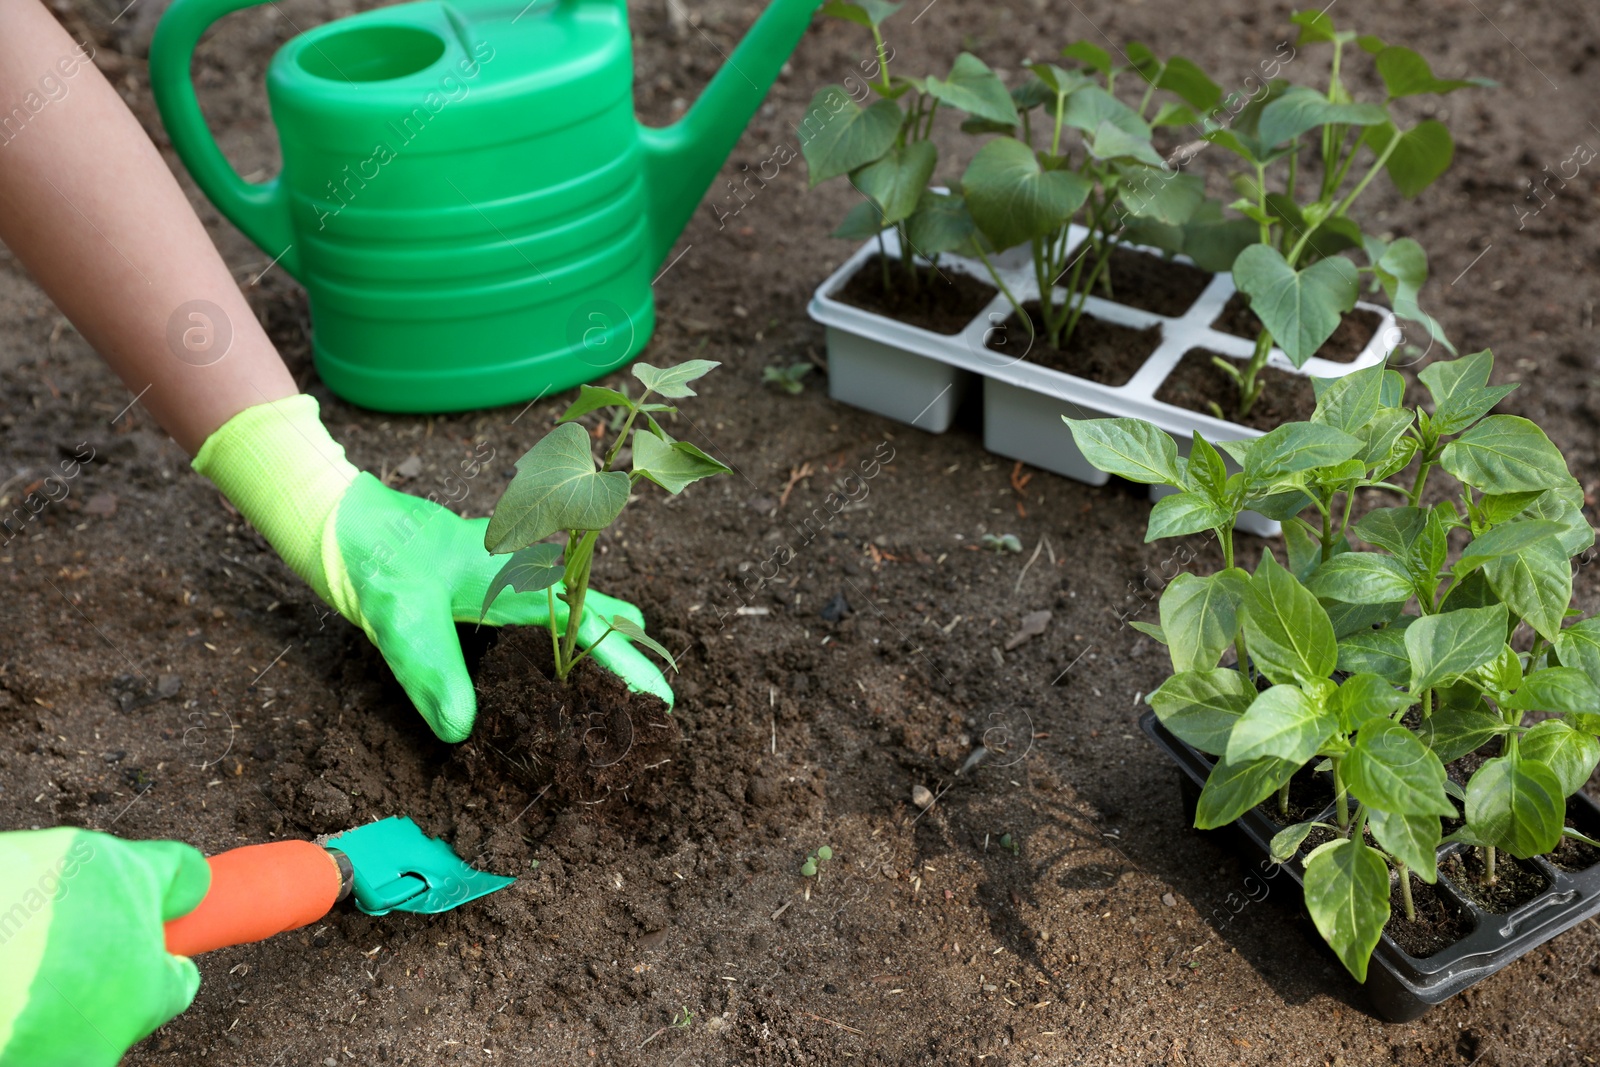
(259, 891)
(260, 209)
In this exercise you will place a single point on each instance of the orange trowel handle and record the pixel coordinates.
(256, 892)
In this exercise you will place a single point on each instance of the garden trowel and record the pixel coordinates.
(261, 890)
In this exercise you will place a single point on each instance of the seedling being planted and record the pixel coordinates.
(814, 861)
(1380, 649)
(559, 489)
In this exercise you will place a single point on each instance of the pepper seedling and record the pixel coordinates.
(1378, 652)
(559, 489)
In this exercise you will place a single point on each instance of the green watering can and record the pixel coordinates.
(466, 195)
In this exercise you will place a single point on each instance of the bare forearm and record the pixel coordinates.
(87, 204)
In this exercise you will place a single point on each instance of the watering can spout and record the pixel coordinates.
(682, 159)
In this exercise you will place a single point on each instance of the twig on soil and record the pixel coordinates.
(832, 1022)
(781, 909)
(1024, 572)
(796, 476)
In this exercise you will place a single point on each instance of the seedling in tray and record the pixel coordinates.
(1370, 654)
(813, 864)
(1306, 142)
(559, 490)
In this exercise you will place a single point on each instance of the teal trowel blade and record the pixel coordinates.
(399, 868)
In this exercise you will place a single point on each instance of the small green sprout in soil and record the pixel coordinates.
(1001, 542)
(681, 1020)
(558, 489)
(790, 379)
(1010, 844)
(815, 860)
(1380, 646)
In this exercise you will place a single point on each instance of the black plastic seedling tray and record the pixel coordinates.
(1400, 986)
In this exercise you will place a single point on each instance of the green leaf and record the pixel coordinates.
(1206, 471)
(557, 488)
(1200, 615)
(940, 224)
(846, 135)
(1128, 448)
(673, 381)
(1013, 199)
(1281, 722)
(527, 570)
(1425, 151)
(1505, 454)
(1396, 529)
(1347, 894)
(1402, 270)
(635, 633)
(1233, 789)
(1294, 447)
(1362, 578)
(673, 465)
(1089, 55)
(1570, 754)
(1201, 707)
(593, 398)
(1182, 514)
(1444, 647)
(1380, 652)
(1516, 804)
(1411, 839)
(1160, 194)
(1150, 629)
(1349, 619)
(1363, 697)
(1536, 584)
(1182, 77)
(1110, 141)
(862, 222)
(1315, 27)
(869, 13)
(1300, 308)
(1286, 630)
(1563, 689)
(1389, 768)
(1405, 73)
(1088, 107)
(1579, 646)
(1286, 842)
(1302, 548)
(974, 88)
(897, 180)
(1460, 388)
(1302, 108)
(1501, 507)
(1215, 244)
(1171, 114)
(1349, 402)
(1453, 732)
(1564, 506)
(1505, 540)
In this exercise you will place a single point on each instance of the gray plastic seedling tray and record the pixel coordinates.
(919, 377)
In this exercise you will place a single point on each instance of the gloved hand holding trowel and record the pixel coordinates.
(89, 207)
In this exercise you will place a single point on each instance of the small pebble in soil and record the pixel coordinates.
(835, 609)
(921, 797)
(1169, 900)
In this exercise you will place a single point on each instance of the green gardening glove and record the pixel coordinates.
(404, 569)
(84, 970)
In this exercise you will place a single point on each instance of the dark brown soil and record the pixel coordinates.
(944, 302)
(1355, 329)
(1099, 351)
(1310, 794)
(1151, 283)
(1574, 855)
(1196, 383)
(1515, 882)
(284, 722)
(584, 741)
(1438, 925)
